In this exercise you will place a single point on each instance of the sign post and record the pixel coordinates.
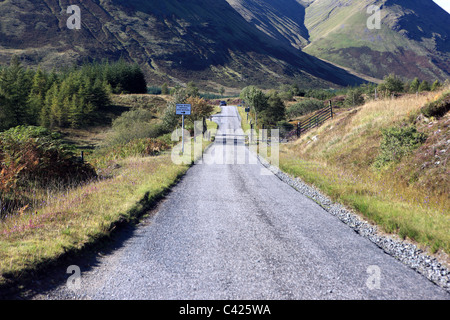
(183, 109)
(247, 110)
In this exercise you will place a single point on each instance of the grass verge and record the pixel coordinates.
(81, 217)
(407, 213)
(407, 197)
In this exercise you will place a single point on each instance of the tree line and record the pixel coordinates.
(393, 84)
(71, 97)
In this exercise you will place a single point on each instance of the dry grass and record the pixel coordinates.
(155, 103)
(74, 218)
(410, 198)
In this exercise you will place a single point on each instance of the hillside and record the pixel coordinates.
(175, 41)
(282, 20)
(387, 161)
(234, 43)
(413, 39)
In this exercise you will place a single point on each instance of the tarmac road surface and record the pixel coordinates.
(232, 230)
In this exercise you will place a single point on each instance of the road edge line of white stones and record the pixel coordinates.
(408, 253)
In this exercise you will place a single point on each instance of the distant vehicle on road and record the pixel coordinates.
(223, 103)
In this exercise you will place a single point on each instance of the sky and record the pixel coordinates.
(445, 4)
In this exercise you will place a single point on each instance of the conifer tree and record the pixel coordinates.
(436, 85)
(36, 98)
(75, 112)
(164, 89)
(44, 117)
(139, 83)
(7, 119)
(424, 86)
(414, 87)
(47, 115)
(15, 85)
(56, 112)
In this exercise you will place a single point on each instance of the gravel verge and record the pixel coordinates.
(408, 253)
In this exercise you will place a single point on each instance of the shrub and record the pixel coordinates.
(286, 95)
(304, 107)
(36, 155)
(354, 98)
(285, 127)
(134, 148)
(398, 142)
(424, 86)
(134, 124)
(320, 94)
(391, 84)
(437, 108)
(143, 147)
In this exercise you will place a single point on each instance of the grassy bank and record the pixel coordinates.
(75, 218)
(408, 196)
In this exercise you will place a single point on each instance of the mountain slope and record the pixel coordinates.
(175, 41)
(234, 43)
(282, 19)
(414, 39)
